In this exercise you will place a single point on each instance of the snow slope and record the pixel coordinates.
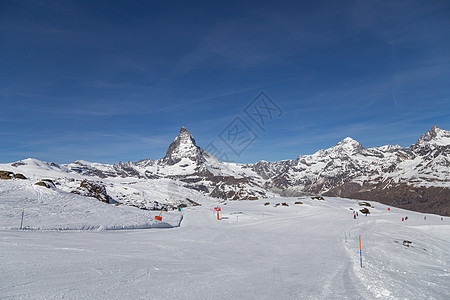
(135, 191)
(50, 209)
(254, 251)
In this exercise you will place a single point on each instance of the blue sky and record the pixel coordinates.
(111, 81)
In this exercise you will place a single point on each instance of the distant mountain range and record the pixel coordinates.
(416, 177)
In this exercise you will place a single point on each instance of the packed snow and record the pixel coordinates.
(254, 251)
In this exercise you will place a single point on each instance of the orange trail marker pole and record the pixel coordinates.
(217, 215)
(21, 222)
(360, 252)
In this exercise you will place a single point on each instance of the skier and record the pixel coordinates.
(354, 216)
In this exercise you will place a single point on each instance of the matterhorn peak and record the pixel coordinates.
(184, 130)
(183, 146)
(435, 128)
(185, 136)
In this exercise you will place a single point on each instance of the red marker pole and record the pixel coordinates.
(217, 209)
(21, 222)
(360, 252)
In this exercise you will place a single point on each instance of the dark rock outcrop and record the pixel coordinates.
(19, 176)
(93, 189)
(10, 175)
(48, 183)
(6, 175)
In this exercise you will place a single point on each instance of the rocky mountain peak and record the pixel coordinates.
(184, 130)
(183, 146)
(435, 136)
(186, 137)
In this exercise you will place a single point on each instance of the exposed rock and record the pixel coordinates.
(10, 175)
(19, 176)
(6, 175)
(193, 202)
(42, 183)
(183, 146)
(93, 189)
(46, 183)
(423, 199)
(49, 181)
(365, 210)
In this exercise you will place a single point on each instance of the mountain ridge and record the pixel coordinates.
(414, 176)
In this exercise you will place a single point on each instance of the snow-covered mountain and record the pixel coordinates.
(416, 177)
(185, 173)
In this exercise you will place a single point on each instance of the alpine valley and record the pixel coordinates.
(414, 178)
